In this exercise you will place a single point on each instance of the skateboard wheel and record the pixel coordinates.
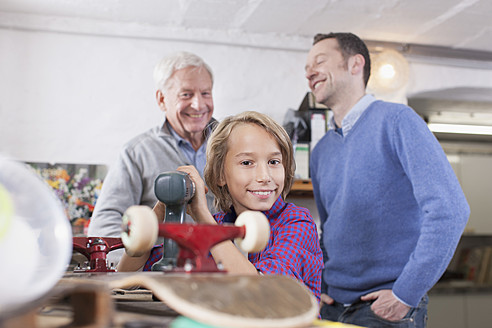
(257, 231)
(140, 229)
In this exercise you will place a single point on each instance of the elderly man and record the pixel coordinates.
(184, 93)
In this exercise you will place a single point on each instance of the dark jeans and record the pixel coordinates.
(360, 313)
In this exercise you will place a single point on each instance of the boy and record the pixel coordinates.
(250, 166)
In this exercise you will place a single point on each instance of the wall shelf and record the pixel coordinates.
(301, 188)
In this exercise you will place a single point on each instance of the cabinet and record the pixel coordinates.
(462, 308)
(474, 172)
(478, 309)
(445, 311)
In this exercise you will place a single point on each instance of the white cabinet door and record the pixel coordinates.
(479, 310)
(446, 311)
(475, 174)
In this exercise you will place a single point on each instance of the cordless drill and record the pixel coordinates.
(175, 189)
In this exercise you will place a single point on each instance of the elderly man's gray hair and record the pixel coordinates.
(168, 65)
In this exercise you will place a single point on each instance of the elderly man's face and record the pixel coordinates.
(188, 101)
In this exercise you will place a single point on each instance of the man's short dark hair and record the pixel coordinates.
(350, 45)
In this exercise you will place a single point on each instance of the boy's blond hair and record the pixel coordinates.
(217, 150)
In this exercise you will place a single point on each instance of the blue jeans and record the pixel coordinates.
(360, 314)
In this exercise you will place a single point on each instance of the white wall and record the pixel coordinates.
(76, 97)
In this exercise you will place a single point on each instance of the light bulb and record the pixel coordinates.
(387, 71)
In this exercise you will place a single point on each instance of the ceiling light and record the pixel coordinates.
(389, 71)
(460, 128)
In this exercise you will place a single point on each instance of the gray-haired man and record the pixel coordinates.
(184, 92)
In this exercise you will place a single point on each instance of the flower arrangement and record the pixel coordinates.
(75, 187)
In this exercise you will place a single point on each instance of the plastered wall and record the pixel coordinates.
(78, 98)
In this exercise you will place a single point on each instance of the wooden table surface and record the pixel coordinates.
(128, 309)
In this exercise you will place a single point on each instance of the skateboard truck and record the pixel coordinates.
(95, 249)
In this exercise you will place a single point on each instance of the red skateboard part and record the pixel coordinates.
(195, 242)
(95, 249)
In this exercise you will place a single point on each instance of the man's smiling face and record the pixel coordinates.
(326, 71)
(188, 101)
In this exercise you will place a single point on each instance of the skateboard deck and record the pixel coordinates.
(221, 300)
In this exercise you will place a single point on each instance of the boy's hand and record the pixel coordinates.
(160, 211)
(197, 208)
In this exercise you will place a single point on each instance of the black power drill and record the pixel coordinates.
(175, 189)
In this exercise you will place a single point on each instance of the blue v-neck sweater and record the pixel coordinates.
(391, 208)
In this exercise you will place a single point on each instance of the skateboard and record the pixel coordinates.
(218, 299)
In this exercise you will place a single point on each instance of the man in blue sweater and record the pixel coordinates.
(391, 208)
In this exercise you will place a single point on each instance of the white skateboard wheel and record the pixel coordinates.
(257, 231)
(140, 229)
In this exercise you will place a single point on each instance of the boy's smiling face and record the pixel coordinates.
(253, 169)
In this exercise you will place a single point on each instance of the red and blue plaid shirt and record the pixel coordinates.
(293, 248)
